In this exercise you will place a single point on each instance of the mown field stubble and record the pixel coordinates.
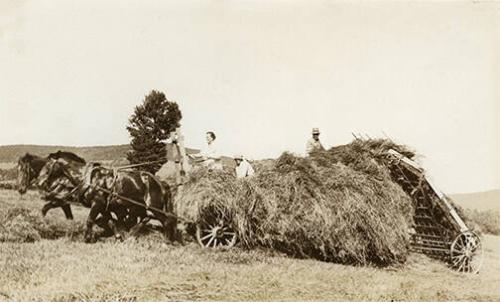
(147, 269)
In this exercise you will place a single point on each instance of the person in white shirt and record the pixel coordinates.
(243, 167)
(313, 144)
(209, 155)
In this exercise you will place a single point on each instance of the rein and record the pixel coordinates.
(163, 160)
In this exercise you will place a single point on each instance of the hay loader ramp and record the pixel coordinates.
(439, 231)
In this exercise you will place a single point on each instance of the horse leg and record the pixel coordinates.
(57, 203)
(130, 221)
(54, 201)
(91, 220)
(102, 222)
(121, 218)
(136, 229)
(49, 205)
(142, 222)
(46, 208)
(108, 224)
(170, 230)
(172, 233)
(66, 207)
(112, 226)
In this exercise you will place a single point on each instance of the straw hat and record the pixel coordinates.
(239, 156)
(315, 131)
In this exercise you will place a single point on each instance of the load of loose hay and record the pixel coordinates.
(332, 206)
(206, 191)
(331, 213)
(366, 156)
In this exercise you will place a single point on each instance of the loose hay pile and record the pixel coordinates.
(27, 225)
(339, 205)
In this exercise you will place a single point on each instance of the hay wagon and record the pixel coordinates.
(439, 231)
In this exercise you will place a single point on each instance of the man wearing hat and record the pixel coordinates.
(313, 144)
(243, 167)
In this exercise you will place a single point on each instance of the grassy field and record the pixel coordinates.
(147, 269)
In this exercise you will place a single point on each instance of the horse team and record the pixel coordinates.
(134, 197)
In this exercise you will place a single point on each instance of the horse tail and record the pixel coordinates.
(170, 223)
(162, 188)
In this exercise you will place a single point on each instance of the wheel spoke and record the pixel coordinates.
(206, 236)
(457, 263)
(460, 244)
(458, 259)
(210, 241)
(461, 266)
(215, 242)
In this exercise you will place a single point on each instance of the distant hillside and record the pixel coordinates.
(13, 152)
(96, 153)
(489, 200)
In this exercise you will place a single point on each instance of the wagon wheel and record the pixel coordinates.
(215, 234)
(466, 253)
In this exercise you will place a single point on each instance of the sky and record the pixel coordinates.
(261, 75)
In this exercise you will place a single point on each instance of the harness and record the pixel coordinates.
(74, 185)
(111, 191)
(113, 188)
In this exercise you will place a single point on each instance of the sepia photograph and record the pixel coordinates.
(249, 150)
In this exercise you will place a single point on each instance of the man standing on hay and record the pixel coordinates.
(313, 144)
(209, 155)
(243, 167)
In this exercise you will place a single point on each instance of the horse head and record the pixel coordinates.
(28, 169)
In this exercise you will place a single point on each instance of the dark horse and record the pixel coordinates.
(149, 194)
(31, 166)
(101, 190)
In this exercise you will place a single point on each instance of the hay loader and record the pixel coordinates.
(439, 231)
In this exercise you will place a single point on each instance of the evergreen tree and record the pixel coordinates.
(149, 126)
